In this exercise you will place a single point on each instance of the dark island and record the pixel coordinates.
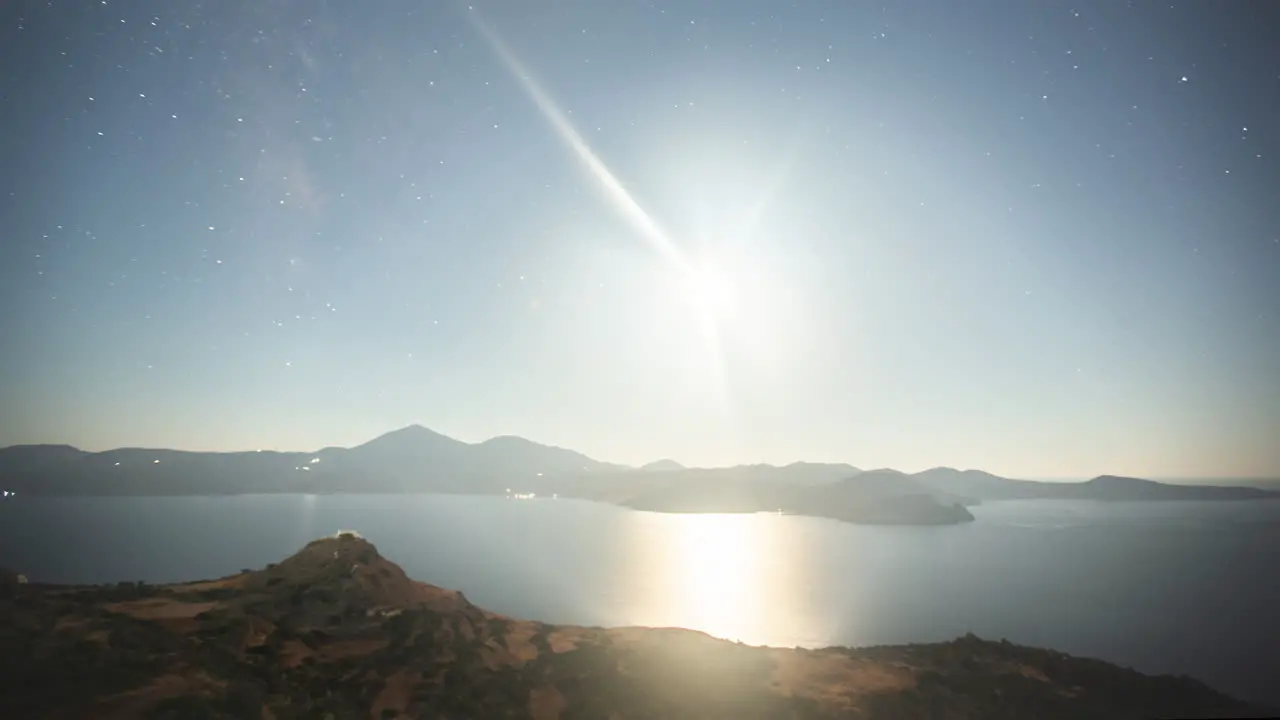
(336, 631)
(856, 499)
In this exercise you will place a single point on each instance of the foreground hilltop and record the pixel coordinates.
(337, 631)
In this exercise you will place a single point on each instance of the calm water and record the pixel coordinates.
(1174, 587)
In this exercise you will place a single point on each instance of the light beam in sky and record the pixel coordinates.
(706, 288)
(618, 195)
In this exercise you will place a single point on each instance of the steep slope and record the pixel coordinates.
(337, 631)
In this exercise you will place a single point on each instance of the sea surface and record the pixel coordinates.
(1179, 587)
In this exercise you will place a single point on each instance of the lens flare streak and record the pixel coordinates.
(614, 189)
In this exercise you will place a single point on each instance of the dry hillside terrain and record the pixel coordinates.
(337, 631)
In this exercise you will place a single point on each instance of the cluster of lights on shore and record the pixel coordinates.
(528, 496)
(510, 495)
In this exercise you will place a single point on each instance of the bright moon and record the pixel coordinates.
(709, 288)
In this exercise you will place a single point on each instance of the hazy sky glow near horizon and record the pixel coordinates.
(1042, 239)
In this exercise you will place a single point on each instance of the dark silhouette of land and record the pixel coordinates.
(415, 459)
(336, 631)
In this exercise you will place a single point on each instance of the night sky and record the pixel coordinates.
(1042, 239)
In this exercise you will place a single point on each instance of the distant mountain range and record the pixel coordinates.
(416, 459)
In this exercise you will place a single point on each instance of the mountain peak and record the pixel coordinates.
(414, 430)
(663, 465)
(945, 470)
(414, 435)
(1121, 480)
(510, 440)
